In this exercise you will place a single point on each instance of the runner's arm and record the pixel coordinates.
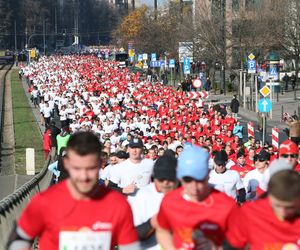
(165, 239)
(19, 240)
(114, 186)
(242, 195)
(145, 230)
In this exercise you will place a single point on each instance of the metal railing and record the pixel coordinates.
(12, 206)
(2, 97)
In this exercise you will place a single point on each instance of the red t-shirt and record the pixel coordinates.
(297, 168)
(242, 170)
(54, 210)
(186, 218)
(256, 224)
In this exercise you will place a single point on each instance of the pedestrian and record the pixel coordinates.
(187, 216)
(293, 81)
(234, 105)
(145, 204)
(77, 212)
(286, 80)
(149, 75)
(208, 84)
(271, 222)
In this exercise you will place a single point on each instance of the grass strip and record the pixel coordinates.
(26, 130)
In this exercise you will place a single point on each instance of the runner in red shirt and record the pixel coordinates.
(272, 222)
(289, 150)
(250, 157)
(77, 213)
(241, 167)
(195, 215)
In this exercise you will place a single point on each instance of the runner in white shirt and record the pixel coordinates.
(226, 180)
(145, 204)
(133, 173)
(254, 178)
(46, 111)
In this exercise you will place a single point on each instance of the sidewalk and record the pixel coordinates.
(286, 102)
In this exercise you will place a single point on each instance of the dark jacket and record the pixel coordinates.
(54, 132)
(234, 105)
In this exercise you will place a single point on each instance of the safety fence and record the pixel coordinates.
(12, 205)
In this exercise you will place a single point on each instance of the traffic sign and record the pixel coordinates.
(186, 66)
(145, 57)
(172, 63)
(139, 65)
(273, 72)
(265, 91)
(264, 105)
(140, 57)
(131, 53)
(155, 64)
(197, 83)
(251, 56)
(153, 57)
(251, 66)
(196, 95)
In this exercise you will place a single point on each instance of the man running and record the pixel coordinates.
(77, 213)
(193, 216)
(272, 222)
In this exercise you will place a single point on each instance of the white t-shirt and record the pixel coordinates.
(228, 182)
(46, 111)
(251, 181)
(104, 173)
(127, 172)
(144, 205)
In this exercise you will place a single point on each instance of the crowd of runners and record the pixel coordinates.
(191, 178)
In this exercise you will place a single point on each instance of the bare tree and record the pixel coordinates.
(289, 14)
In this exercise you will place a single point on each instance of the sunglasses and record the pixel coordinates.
(261, 160)
(289, 155)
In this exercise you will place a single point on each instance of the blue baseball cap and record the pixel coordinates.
(193, 162)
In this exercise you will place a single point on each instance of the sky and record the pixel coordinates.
(150, 3)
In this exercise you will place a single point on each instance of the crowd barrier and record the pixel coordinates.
(12, 205)
(251, 129)
(275, 138)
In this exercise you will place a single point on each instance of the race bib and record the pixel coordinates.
(84, 240)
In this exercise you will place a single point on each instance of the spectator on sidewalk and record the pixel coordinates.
(293, 81)
(286, 80)
(234, 105)
(238, 130)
